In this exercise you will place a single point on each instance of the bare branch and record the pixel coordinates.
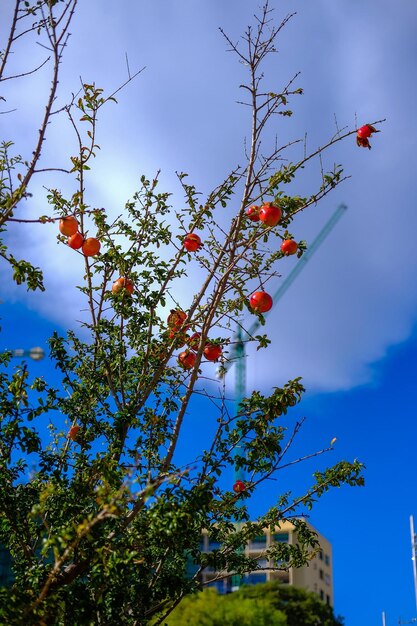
(27, 73)
(10, 39)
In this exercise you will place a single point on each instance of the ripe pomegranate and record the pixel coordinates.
(289, 246)
(91, 246)
(187, 359)
(75, 241)
(239, 486)
(73, 431)
(362, 135)
(269, 214)
(68, 225)
(176, 319)
(365, 131)
(212, 351)
(194, 341)
(121, 284)
(260, 301)
(192, 242)
(252, 213)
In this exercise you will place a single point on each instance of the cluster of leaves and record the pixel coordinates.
(259, 605)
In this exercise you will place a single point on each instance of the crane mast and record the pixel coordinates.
(238, 353)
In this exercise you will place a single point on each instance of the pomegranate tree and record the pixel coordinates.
(110, 475)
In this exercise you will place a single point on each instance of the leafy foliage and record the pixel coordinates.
(257, 605)
(105, 526)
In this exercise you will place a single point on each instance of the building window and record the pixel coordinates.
(221, 586)
(321, 594)
(214, 545)
(327, 579)
(282, 576)
(258, 543)
(327, 559)
(254, 578)
(280, 537)
(327, 599)
(321, 574)
(321, 555)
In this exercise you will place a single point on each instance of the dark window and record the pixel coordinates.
(321, 574)
(280, 537)
(214, 545)
(327, 599)
(191, 567)
(283, 577)
(258, 543)
(253, 579)
(321, 555)
(327, 559)
(219, 585)
(321, 594)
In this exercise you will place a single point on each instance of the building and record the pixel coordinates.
(317, 576)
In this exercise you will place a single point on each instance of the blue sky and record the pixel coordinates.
(348, 325)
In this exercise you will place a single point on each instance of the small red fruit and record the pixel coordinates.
(212, 351)
(68, 225)
(362, 135)
(366, 131)
(239, 486)
(253, 213)
(75, 241)
(289, 246)
(187, 359)
(73, 431)
(269, 214)
(194, 341)
(192, 242)
(260, 301)
(91, 246)
(176, 319)
(121, 284)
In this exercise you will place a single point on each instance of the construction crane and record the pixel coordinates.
(238, 352)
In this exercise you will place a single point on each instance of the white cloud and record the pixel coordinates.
(355, 297)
